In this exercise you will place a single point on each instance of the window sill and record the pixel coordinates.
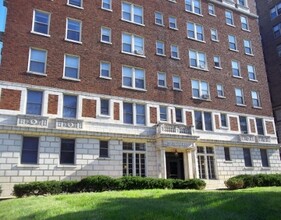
(265, 168)
(40, 34)
(241, 105)
(175, 29)
(161, 55)
(249, 54)
(221, 97)
(103, 158)
(131, 22)
(197, 68)
(71, 79)
(66, 166)
(73, 41)
(201, 41)
(74, 6)
(228, 161)
(237, 77)
(106, 42)
(107, 9)
(206, 100)
(248, 168)
(253, 80)
(257, 107)
(224, 128)
(135, 89)
(177, 90)
(191, 12)
(133, 54)
(175, 58)
(212, 15)
(162, 87)
(233, 50)
(38, 74)
(161, 25)
(218, 68)
(28, 165)
(104, 116)
(217, 41)
(230, 25)
(106, 77)
(245, 30)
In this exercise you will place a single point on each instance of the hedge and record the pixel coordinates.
(258, 180)
(104, 183)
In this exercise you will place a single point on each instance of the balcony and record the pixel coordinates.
(69, 123)
(174, 129)
(32, 121)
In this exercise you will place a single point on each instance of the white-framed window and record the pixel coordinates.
(235, 66)
(203, 121)
(159, 18)
(34, 102)
(206, 163)
(37, 61)
(69, 106)
(173, 22)
(211, 9)
(251, 72)
(29, 151)
(161, 79)
(134, 159)
(214, 35)
(200, 89)
(242, 3)
(243, 122)
(105, 35)
(41, 22)
(75, 3)
(71, 66)
(195, 31)
(73, 30)
(133, 77)
(277, 30)
(163, 113)
(134, 113)
(275, 11)
(105, 69)
(264, 158)
(223, 120)
(179, 115)
(193, 6)
(160, 48)
(104, 149)
(132, 13)
(197, 59)
(176, 83)
(220, 90)
(239, 96)
(256, 102)
(105, 107)
(247, 157)
(259, 124)
(217, 62)
(232, 43)
(229, 18)
(248, 47)
(244, 23)
(175, 52)
(106, 5)
(132, 44)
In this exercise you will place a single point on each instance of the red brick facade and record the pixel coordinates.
(233, 123)
(269, 127)
(10, 99)
(153, 115)
(189, 121)
(53, 104)
(116, 111)
(252, 126)
(89, 108)
(217, 121)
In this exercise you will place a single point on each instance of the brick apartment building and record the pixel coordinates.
(158, 88)
(269, 12)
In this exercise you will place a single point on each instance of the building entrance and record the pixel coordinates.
(174, 165)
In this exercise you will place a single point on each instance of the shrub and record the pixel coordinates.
(189, 184)
(234, 183)
(98, 184)
(70, 186)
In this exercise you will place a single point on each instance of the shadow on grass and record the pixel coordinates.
(190, 205)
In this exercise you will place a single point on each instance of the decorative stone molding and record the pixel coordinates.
(69, 123)
(263, 139)
(32, 120)
(247, 138)
(173, 129)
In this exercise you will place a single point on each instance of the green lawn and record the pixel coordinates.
(256, 203)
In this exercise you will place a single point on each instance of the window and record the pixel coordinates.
(134, 113)
(34, 102)
(259, 124)
(173, 22)
(278, 49)
(197, 60)
(195, 31)
(243, 125)
(104, 149)
(69, 106)
(105, 35)
(193, 6)
(235, 68)
(275, 11)
(217, 62)
(251, 72)
(163, 113)
(41, 22)
(29, 153)
(159, 18)
(37, 61)
(132, 13)
(244, 23)
(176, 83)
(277, 30)
(132, 44)
(71, 66)
(175, 52)
(133, 77)
(200, 89)
(247, 157)
(67, 151)
(248, 47)
(226, 154)
(203, 121)
(73, 30)
(104, 107)
(160, 48)
(77, 3)
(105, 69)
(107, 5)
(206, 163)
(162, 79)
(223, 120)
(229, 18)
(211, 9)
(134, 159)
(214, 35)
(242, 3)
(220, 90)
(239, 96)
(256, 99)
(179, 118)
(264, 158)
(232, 45)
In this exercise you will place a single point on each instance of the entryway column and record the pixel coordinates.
(190, 165)
(163, 164)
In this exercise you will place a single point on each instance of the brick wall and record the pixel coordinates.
(10, 99)
(217, 121)
(269, 127)
(53, 104)
(89, 108)
(252, 126)
(116, 111)
(153, 115)
(233, 123)
(189, 121)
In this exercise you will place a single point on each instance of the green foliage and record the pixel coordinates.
(189, 184)
(98, 184)
(234, 183)
(68, 186)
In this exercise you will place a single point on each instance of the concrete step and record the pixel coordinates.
(215, 184)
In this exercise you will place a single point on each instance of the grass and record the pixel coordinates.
(255, 203)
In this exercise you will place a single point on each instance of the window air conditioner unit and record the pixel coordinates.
(139, 52)
(205, 96)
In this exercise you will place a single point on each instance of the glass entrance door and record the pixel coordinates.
(174, 165)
